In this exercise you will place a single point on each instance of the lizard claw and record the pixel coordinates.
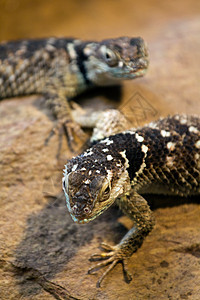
(127, 274)
(107, 247)
(68, 128)
(99, 256)
(113, 257)
(72, 129)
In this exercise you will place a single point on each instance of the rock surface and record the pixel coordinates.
(44, 255)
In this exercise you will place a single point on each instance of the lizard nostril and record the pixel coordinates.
(77, 209)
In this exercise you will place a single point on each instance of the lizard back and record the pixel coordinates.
(162, 157)
(27, 65)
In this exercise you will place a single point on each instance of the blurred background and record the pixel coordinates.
(91, 19)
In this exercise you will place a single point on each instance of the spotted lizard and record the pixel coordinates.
(162, 157)
(61, 68)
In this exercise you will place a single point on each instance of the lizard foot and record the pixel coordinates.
(70, 129)
(114, 256)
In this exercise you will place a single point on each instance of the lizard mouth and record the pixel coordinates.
(139, 72)
(132, 74)
(82, 220)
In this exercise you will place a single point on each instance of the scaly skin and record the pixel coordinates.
(61, 68)
(162, 157)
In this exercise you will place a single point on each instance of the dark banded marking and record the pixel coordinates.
(81, 59)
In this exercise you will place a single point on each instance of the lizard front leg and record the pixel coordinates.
(136, 207)
(65, 123)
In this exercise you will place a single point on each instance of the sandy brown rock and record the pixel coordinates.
(44, 255)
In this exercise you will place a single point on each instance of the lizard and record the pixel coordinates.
(162, 157)
(62, 68)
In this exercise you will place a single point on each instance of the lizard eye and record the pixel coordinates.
(107, 190)
(105, 193)
(110, 57)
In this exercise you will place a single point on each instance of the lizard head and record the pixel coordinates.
(112, 60)
(92, 185)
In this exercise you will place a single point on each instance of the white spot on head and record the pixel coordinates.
(97, 171)
(171, 146)
(109, 157)
(90, 172)
(107, 141)
(197, 144)
(83, 169)
(139, 138)
(105, 150)
(89, 152)
(196, 156)
(87, 181)
(193, 129)
(165, 133)
(74, 167)
(110, 175)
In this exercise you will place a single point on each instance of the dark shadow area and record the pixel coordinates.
(193, 250)
(100, 97)
(52, 238)
(97, 98)
(162, 201)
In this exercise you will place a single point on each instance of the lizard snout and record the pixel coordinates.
(79, 209)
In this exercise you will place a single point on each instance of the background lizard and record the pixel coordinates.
(61, 68)
(162, 157)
